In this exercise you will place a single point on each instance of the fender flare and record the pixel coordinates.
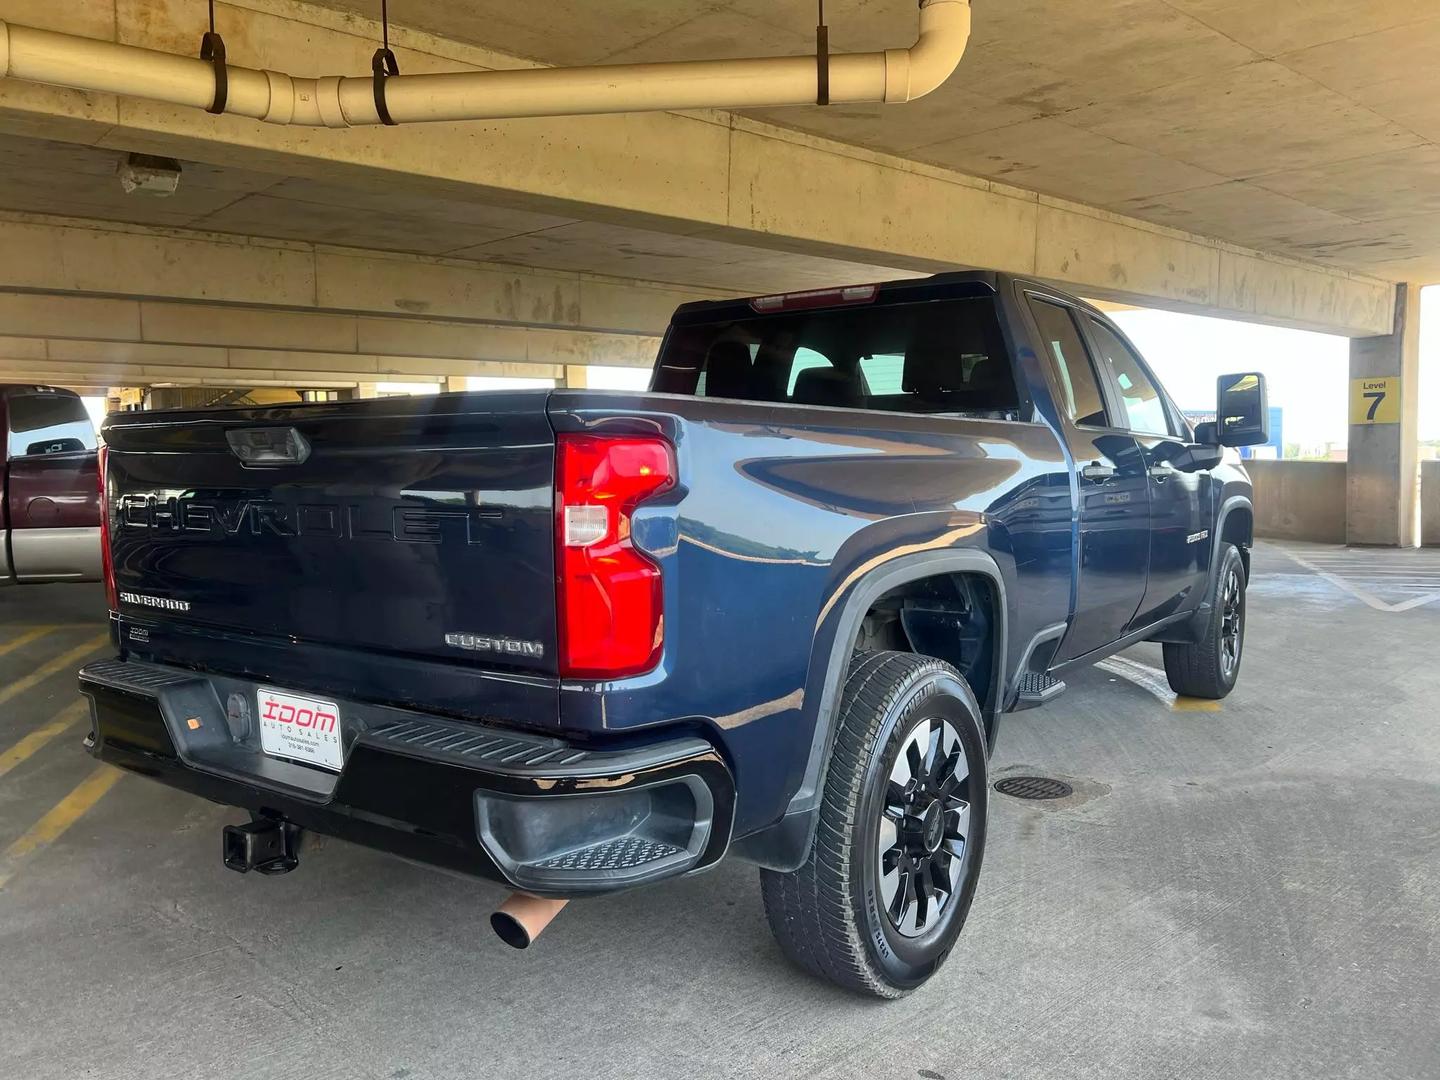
(1229, 505)
(786, 845)
(1186, 630)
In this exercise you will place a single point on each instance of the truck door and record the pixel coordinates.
(51, 497)
(1179, 501)
(1114, 514)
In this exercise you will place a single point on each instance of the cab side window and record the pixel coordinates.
(1079, 386)
(1144, 406)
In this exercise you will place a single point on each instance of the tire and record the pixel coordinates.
(1210, 667)
(842, 915)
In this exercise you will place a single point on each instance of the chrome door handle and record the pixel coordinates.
(1098, 471)
(1161, 473)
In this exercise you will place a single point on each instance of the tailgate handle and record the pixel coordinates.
(267, 448)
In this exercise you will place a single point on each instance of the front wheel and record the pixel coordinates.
(882, 898)
(1209, 667)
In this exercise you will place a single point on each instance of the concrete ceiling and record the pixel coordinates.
(1303, 127)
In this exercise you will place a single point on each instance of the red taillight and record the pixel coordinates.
(107, 565)
(610, 603)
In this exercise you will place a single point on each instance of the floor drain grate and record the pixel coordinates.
(1033, 787)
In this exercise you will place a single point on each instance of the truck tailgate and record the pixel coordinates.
(408, 527)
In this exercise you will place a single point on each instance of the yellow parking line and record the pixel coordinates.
(1195, 704)
(53, 825)
(27, 746)
(1153, 680)
(54, 667)
(25, 638)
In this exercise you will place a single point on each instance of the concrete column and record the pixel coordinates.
(1381, 478)
(1430, 503)
(574, 377)
(455, 384)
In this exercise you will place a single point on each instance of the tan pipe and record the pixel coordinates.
(895, 75)
(521, 918)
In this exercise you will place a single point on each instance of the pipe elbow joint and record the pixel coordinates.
(944, 32)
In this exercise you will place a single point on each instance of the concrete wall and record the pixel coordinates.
(1430, 503)
(1299, 500)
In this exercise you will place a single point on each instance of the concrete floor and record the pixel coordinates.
(1250, 891)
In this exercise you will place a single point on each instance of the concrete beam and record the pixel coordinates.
(60, 326)
(89, 340)
(707, 176)
(66, 255)
(287, 371)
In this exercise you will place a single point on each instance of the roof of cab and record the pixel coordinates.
(6, 389)
(935, 284)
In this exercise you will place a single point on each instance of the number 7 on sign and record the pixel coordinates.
(1375, 397)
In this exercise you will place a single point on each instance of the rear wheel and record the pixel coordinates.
(1209, 667)
(882, 898)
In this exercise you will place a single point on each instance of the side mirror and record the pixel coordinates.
(1242, 410)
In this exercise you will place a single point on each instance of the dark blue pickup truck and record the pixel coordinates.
(776, 607)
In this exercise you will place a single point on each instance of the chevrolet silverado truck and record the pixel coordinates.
(49, 489)
(776, 607)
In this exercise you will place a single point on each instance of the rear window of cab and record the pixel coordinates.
(943, 357)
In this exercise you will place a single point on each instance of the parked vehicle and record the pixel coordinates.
(577, 641)
(49, 489)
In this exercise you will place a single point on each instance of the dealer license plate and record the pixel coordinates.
(303, 729)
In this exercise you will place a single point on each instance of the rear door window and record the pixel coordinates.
(1079, 385)
(48, 424)
(939, 357)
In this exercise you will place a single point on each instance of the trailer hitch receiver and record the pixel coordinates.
(265, 845)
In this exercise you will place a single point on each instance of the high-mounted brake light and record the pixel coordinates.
(610, 605)
(816, 298)
(107, 563)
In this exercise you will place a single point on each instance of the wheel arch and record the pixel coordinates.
(785, 845)
(1234, 524)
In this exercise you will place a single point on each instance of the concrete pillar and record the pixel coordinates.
(455, 384)
(574, 377)
(1381, 482)
(1430, 503)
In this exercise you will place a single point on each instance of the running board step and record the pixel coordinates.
(1037, 690)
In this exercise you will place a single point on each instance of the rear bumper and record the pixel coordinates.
(535, 813)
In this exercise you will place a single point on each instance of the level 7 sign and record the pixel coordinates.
(1375, 400)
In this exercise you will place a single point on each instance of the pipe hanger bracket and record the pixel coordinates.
(822, 59)
(212, 51)
(384, 65)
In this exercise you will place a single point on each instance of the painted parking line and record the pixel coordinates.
(1154, 680)
(41, 737)
(63, 662)
(33, 634)
(1332, 566)
(53, 825)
